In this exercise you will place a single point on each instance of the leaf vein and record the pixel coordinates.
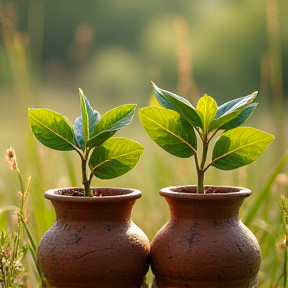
(113, 158)
(53, 132)
(170, 132)
(239, 148)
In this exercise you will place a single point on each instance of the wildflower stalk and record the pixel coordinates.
(285, 216)
(21, 223)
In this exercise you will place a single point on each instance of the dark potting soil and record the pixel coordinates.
(208, 189)
(98, 192)
(70, 192)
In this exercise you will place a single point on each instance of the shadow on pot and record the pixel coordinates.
(162, 282)
(94, 242)
(106, 284)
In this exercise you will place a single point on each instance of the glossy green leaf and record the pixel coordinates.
(78, 130)
(179, 104)
(110, 123)
(241, 118)
(153, 101)
(230, 110)
(206, 109)
(169, 130)
(115, 157)
(84, 116)
(235, 104)
(85, 124)
(239, 147)
(52, 129)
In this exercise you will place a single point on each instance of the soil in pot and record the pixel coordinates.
(204, 244)
(94, 242)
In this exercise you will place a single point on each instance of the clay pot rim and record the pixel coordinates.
(127, 194)
(223, 192)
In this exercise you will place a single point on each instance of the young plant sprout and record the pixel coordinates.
(174, 127)
(90, 137)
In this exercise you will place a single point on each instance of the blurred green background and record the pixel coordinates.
(112, 50)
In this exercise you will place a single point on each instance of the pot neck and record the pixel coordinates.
(91, 212)
(204, 209)
(224, 203)
(114, 204)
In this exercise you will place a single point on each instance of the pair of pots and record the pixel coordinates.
(94, 242)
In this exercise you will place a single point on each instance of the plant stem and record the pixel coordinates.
(201, 170)
(204, 153)
(85, 181)
(200, 182)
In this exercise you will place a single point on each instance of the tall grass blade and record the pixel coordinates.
(71, 173)
(285, 216)
(9, 208)
(248, 218)
(27, 230)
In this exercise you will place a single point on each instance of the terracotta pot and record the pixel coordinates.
(94, 242)
(204, 244)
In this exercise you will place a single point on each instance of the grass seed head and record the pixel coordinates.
(10, 158)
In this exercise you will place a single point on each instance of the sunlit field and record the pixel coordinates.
(262, 212)
(113, 75)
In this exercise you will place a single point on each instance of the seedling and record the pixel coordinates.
(91, 137)
(174, 127)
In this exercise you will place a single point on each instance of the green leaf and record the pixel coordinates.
(235, 104)
(78, 130)
(206, 109)
(239, 147)
(230, 110)
(84, 116)
(169, 130)
(153, 101)
(115, 157)
(179, 104)
(52, 129)
(85, 124)
(110, 123)
(241, 118)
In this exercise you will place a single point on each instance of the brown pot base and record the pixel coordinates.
(163, 282)
(101, 284)
(94, 242)
(204, 244)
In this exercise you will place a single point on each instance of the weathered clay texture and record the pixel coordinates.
(204, 244)
(94, 242)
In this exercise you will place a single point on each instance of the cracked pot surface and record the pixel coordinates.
(204, 244)
(93, 240)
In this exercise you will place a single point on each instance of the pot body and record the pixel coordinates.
(204, 244)
(94, 242)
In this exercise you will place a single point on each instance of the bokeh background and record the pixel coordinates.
(112, 50)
